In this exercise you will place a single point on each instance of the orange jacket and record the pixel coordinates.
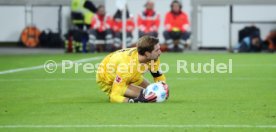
(177, 21)
(117, 25)
(148, 21)
(101, 23)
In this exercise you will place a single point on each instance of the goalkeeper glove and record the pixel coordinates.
(142, 99)
(166, 87)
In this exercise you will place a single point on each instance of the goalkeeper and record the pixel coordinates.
(120, 73)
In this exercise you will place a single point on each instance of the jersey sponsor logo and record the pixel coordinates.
(118, 79)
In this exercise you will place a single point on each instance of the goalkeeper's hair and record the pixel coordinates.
(146, 44)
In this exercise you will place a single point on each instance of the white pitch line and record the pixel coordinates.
(227, 78)
(42, 66)
(22, 69)
(139, 126)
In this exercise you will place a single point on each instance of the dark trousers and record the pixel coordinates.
(118, 37)
(171, 37)
(105, 39)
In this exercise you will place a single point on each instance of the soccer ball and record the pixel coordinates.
(160, 89)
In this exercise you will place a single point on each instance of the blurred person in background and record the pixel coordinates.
(82, 12)
(100, 34)
(177, 28)
(251, 43)
(249, 40)
(117, 29)
(148, 21)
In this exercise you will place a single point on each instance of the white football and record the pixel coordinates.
(160, 89)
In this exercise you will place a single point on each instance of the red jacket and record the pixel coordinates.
(117, 25)
(178, 21)
(148, 21)
(101, 23)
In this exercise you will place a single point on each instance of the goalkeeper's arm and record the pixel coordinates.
(158, 76)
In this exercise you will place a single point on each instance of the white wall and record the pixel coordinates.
(215, 26)
(12, 22)
(46, 17)
(15, 18)
(255, 13)
(137, 6)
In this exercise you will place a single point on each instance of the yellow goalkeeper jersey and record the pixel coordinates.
(122, 68)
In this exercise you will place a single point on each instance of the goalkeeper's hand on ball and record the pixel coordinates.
(142, 99)
(166, 87)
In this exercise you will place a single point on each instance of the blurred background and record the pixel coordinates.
(99, 25)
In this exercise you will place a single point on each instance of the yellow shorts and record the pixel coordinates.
(107, 88)
(118, 92)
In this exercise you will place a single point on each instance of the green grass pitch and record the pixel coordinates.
(245, 100)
